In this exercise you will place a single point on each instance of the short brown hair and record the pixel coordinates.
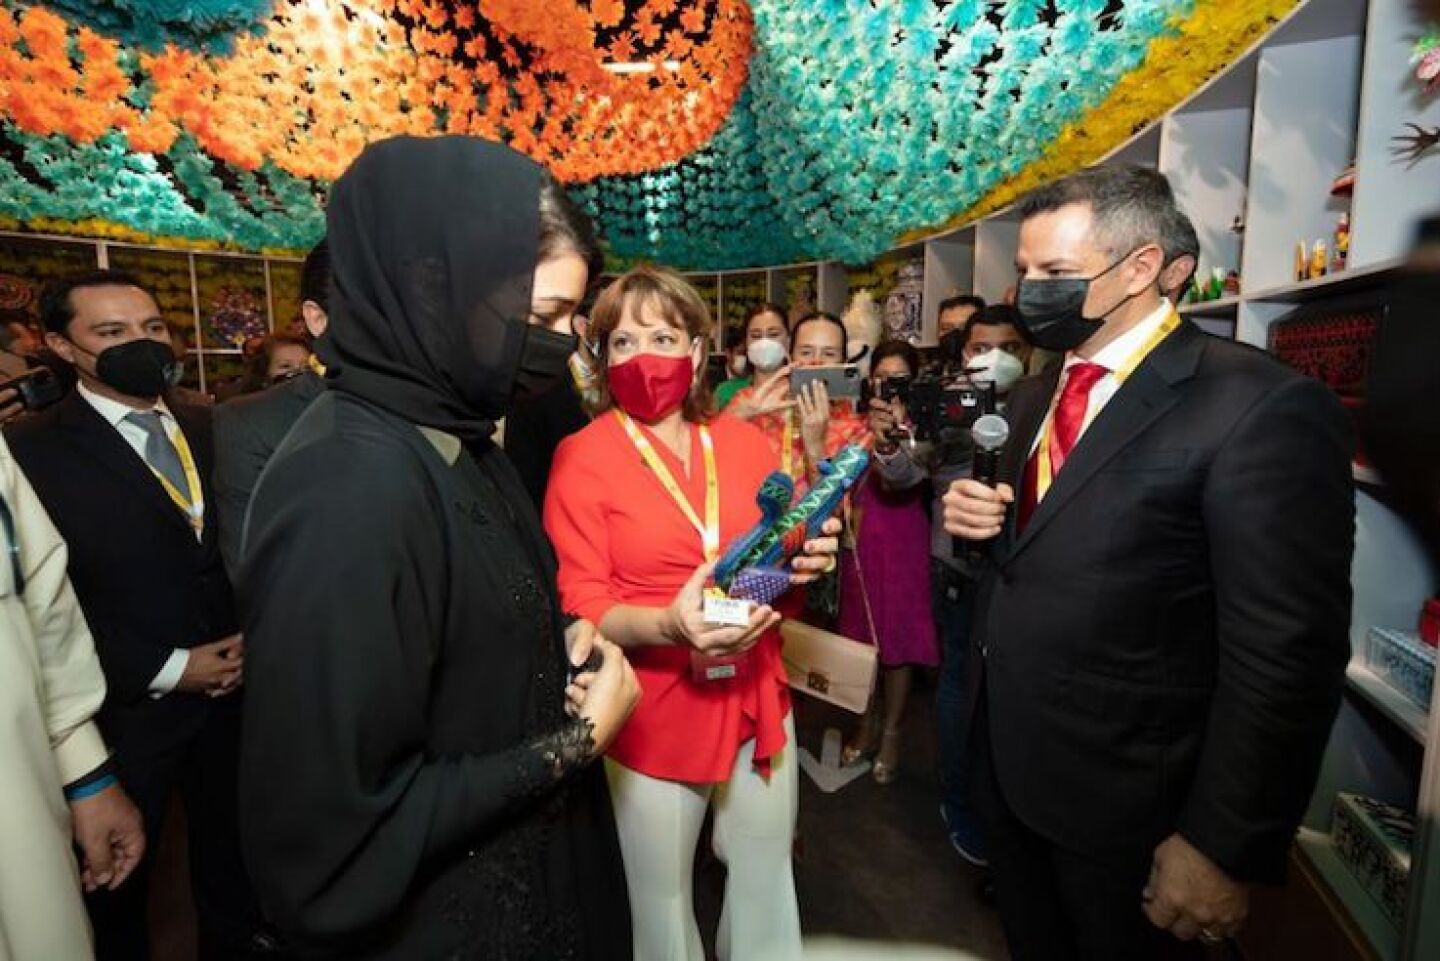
(672, 298)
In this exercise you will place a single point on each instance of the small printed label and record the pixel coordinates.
(727, 612)
(721, 672)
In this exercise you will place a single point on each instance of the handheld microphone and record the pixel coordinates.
(990, 432)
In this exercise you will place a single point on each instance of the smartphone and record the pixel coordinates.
(35, 389)
(843, 381)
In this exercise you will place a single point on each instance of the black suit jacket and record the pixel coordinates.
(247, 431)
(1164, 646)
(147, 586)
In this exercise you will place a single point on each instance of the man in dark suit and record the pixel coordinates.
(1161, 638)
(123, 474)
(248, 429)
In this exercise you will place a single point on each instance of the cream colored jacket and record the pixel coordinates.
(50, 689)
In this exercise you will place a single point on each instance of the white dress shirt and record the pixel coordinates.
(114, 414)
(1112, 357)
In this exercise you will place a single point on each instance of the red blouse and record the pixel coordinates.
(622, 540)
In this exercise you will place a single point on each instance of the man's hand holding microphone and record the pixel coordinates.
(975, 506)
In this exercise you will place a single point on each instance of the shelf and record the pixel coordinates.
(1387, 700)
(1222, 307)
(1355, 278)
(1320, 852)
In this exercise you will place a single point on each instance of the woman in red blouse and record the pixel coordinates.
(640, 504)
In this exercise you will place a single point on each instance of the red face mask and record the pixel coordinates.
(649, 386)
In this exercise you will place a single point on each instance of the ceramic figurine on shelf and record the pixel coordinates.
(1319, 260)
(1426, 60)
(902, 305)
(1342, 243)
(1344, 183)
(1302, 261)
(1216, 288)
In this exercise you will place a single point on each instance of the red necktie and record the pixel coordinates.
(1070, 412)
(1064, 432)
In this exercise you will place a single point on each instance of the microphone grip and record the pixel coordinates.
(985, 468)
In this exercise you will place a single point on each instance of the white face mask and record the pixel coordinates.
(997, 367)
(766, 354)
(737, 365)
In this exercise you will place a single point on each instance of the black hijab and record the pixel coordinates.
(433, 246)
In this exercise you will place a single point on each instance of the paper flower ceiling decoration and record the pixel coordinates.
(704, 133)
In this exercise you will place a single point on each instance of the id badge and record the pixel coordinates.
(722, 611)
(708, 669)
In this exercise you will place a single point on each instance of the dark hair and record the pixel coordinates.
(995, 315)
(828, 317)
(1178, 238)
(896, 348)
(56, 311)
(1131, 205)
(961, 300)
(760, 310)
(565, 228)
(674, 299)
(315, 276)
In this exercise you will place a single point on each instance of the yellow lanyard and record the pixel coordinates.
(709, 530)
(1044, 475)
(190, 503)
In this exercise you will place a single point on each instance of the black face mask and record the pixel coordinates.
(137, 368)
(1052, 312)
(544, 359)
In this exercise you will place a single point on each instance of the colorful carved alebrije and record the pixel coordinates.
(784, 528)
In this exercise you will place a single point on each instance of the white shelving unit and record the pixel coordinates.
(949, 270)
(1265, 139)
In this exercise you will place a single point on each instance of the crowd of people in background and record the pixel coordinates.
(434, 639)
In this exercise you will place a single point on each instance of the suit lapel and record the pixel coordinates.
(102, 442)
(1026, 413)
(1144, 398)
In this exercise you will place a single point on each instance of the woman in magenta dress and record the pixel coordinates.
(885, 588)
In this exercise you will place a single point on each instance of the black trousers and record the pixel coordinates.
(1056, 904)
(203, 770)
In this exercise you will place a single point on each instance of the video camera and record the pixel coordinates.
(941, 406)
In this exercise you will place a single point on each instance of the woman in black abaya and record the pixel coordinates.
(417, 781)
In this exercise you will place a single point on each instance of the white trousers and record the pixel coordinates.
(659, 825)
